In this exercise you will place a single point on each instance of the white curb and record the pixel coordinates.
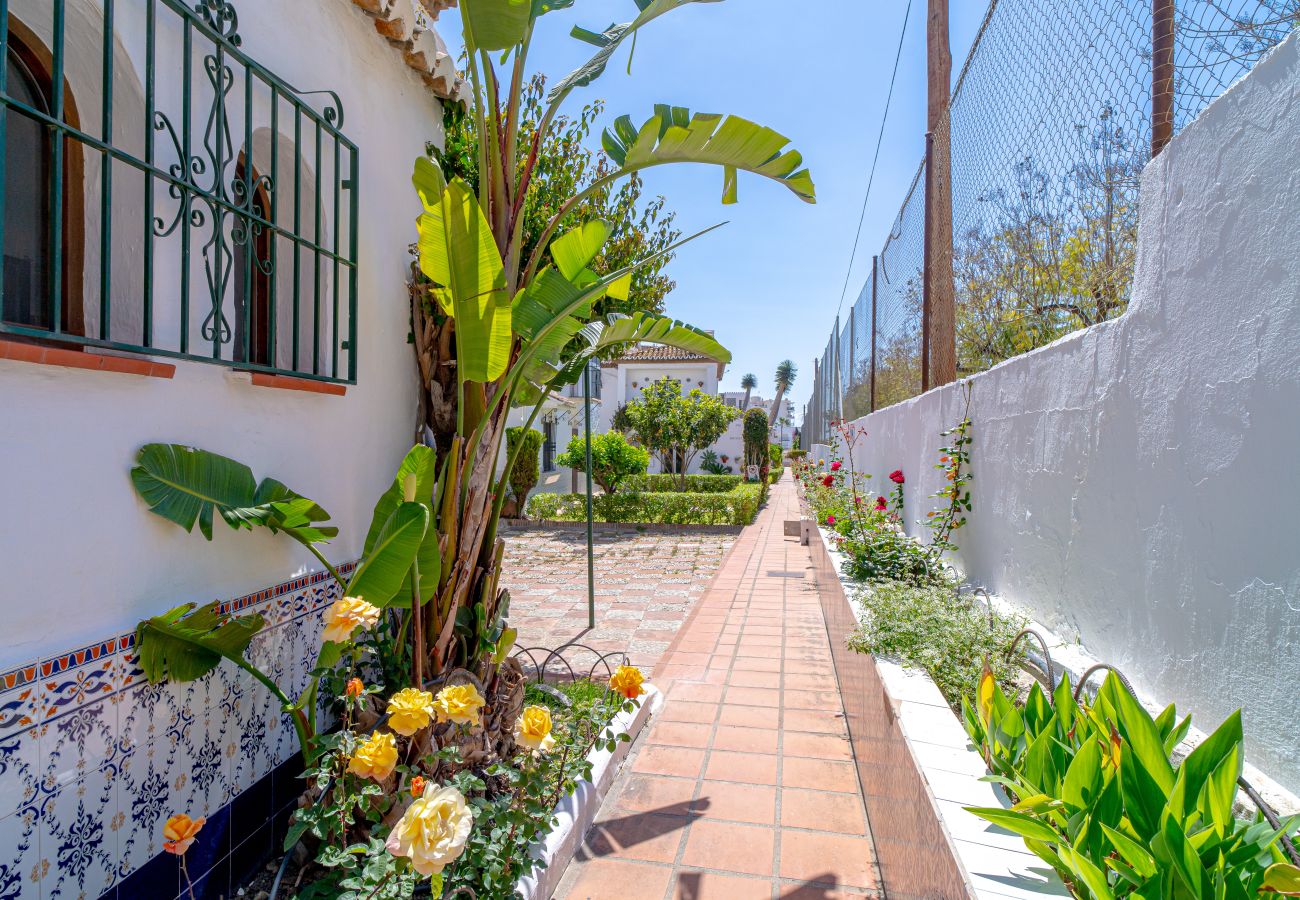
(578, 810)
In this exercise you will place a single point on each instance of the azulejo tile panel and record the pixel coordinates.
(93, 758)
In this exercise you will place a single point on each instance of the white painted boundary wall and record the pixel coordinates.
(1136, 483)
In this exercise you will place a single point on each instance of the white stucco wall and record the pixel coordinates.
(1135, 483)
(83, 558)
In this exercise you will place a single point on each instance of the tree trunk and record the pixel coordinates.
(776, 406)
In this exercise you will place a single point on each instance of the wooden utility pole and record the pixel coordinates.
(1162, 74)
(942, 315)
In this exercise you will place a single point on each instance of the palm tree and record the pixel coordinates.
(749, 382)
(785, 374)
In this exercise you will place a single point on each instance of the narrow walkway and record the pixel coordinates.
(744, 786)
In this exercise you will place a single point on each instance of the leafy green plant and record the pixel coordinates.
(954, 462)
(1100, 798)
(523, 445)
(738, 506)
(185, 485)
(613, 459)
(695, 484)
(928, 627)
(675, 427)
(775, 456)
(710, 464)
(754, 431)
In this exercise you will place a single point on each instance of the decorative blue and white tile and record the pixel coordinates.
(144, 802)
(77, 743)
(77, 840)
(20, 856)
(71, 680)
(19, 694)
(21, 775)
(251, 710)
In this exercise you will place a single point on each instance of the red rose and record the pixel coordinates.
(835, 466)
(830, 520)
(828, 480)
(880, 504)
(896, 476)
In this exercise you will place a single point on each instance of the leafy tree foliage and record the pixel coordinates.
(612, 459)
(527, 470)
(676, 427)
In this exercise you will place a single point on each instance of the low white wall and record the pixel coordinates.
(83, 557)
(1135, 483)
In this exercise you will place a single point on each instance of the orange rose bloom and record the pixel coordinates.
(179, 832)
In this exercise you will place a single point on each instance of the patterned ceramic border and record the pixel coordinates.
(93, 758)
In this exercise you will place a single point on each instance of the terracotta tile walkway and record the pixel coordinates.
(647, 583)
(744, 786)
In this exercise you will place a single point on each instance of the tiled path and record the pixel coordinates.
(744, 786)
(647, 582)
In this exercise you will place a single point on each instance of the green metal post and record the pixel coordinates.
(591, 556)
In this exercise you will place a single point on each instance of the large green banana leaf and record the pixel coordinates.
(608, 41)
(495, 24)
(418, 473)
(185, 485)
(387, 563)
(617, 328)
(674, 135)
(185, 647)
(551, 311)
(459, 254)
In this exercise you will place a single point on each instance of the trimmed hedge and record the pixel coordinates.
(738, 506)
(695, 484)
(774, 475)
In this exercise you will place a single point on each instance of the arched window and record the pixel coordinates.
(29, 172)
(254, 305)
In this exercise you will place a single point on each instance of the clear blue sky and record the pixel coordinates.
(817, 71)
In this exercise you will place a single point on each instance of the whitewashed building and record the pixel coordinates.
(245, 292)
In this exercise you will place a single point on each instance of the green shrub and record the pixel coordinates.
(738, 506)
(527, 470)
(774, 475)
(797, 453)
(712, 465)
(775, 456)
(613, 459)
(754, 431)
(695, 484)
(1099, 797)
(928, 627)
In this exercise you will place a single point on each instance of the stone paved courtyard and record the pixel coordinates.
(647, 582)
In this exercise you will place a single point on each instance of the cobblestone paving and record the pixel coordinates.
(646, 584)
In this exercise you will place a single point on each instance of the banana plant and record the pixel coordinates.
(1099, 797)
(399, 567)
(518, 324)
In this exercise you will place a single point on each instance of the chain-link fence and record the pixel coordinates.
(1051, 123)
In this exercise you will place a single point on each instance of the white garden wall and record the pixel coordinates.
(1136, 483)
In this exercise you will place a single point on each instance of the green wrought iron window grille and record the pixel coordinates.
(186, 201)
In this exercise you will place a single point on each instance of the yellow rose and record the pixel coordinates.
(179, 833)
(376, 757)
(433, 830)
(346, 616)
(533, 730)
(409, 710)
(627, 680)
(459, 703)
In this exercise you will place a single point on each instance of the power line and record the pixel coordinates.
(907, 14)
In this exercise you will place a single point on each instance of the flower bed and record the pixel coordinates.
(737, 506)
